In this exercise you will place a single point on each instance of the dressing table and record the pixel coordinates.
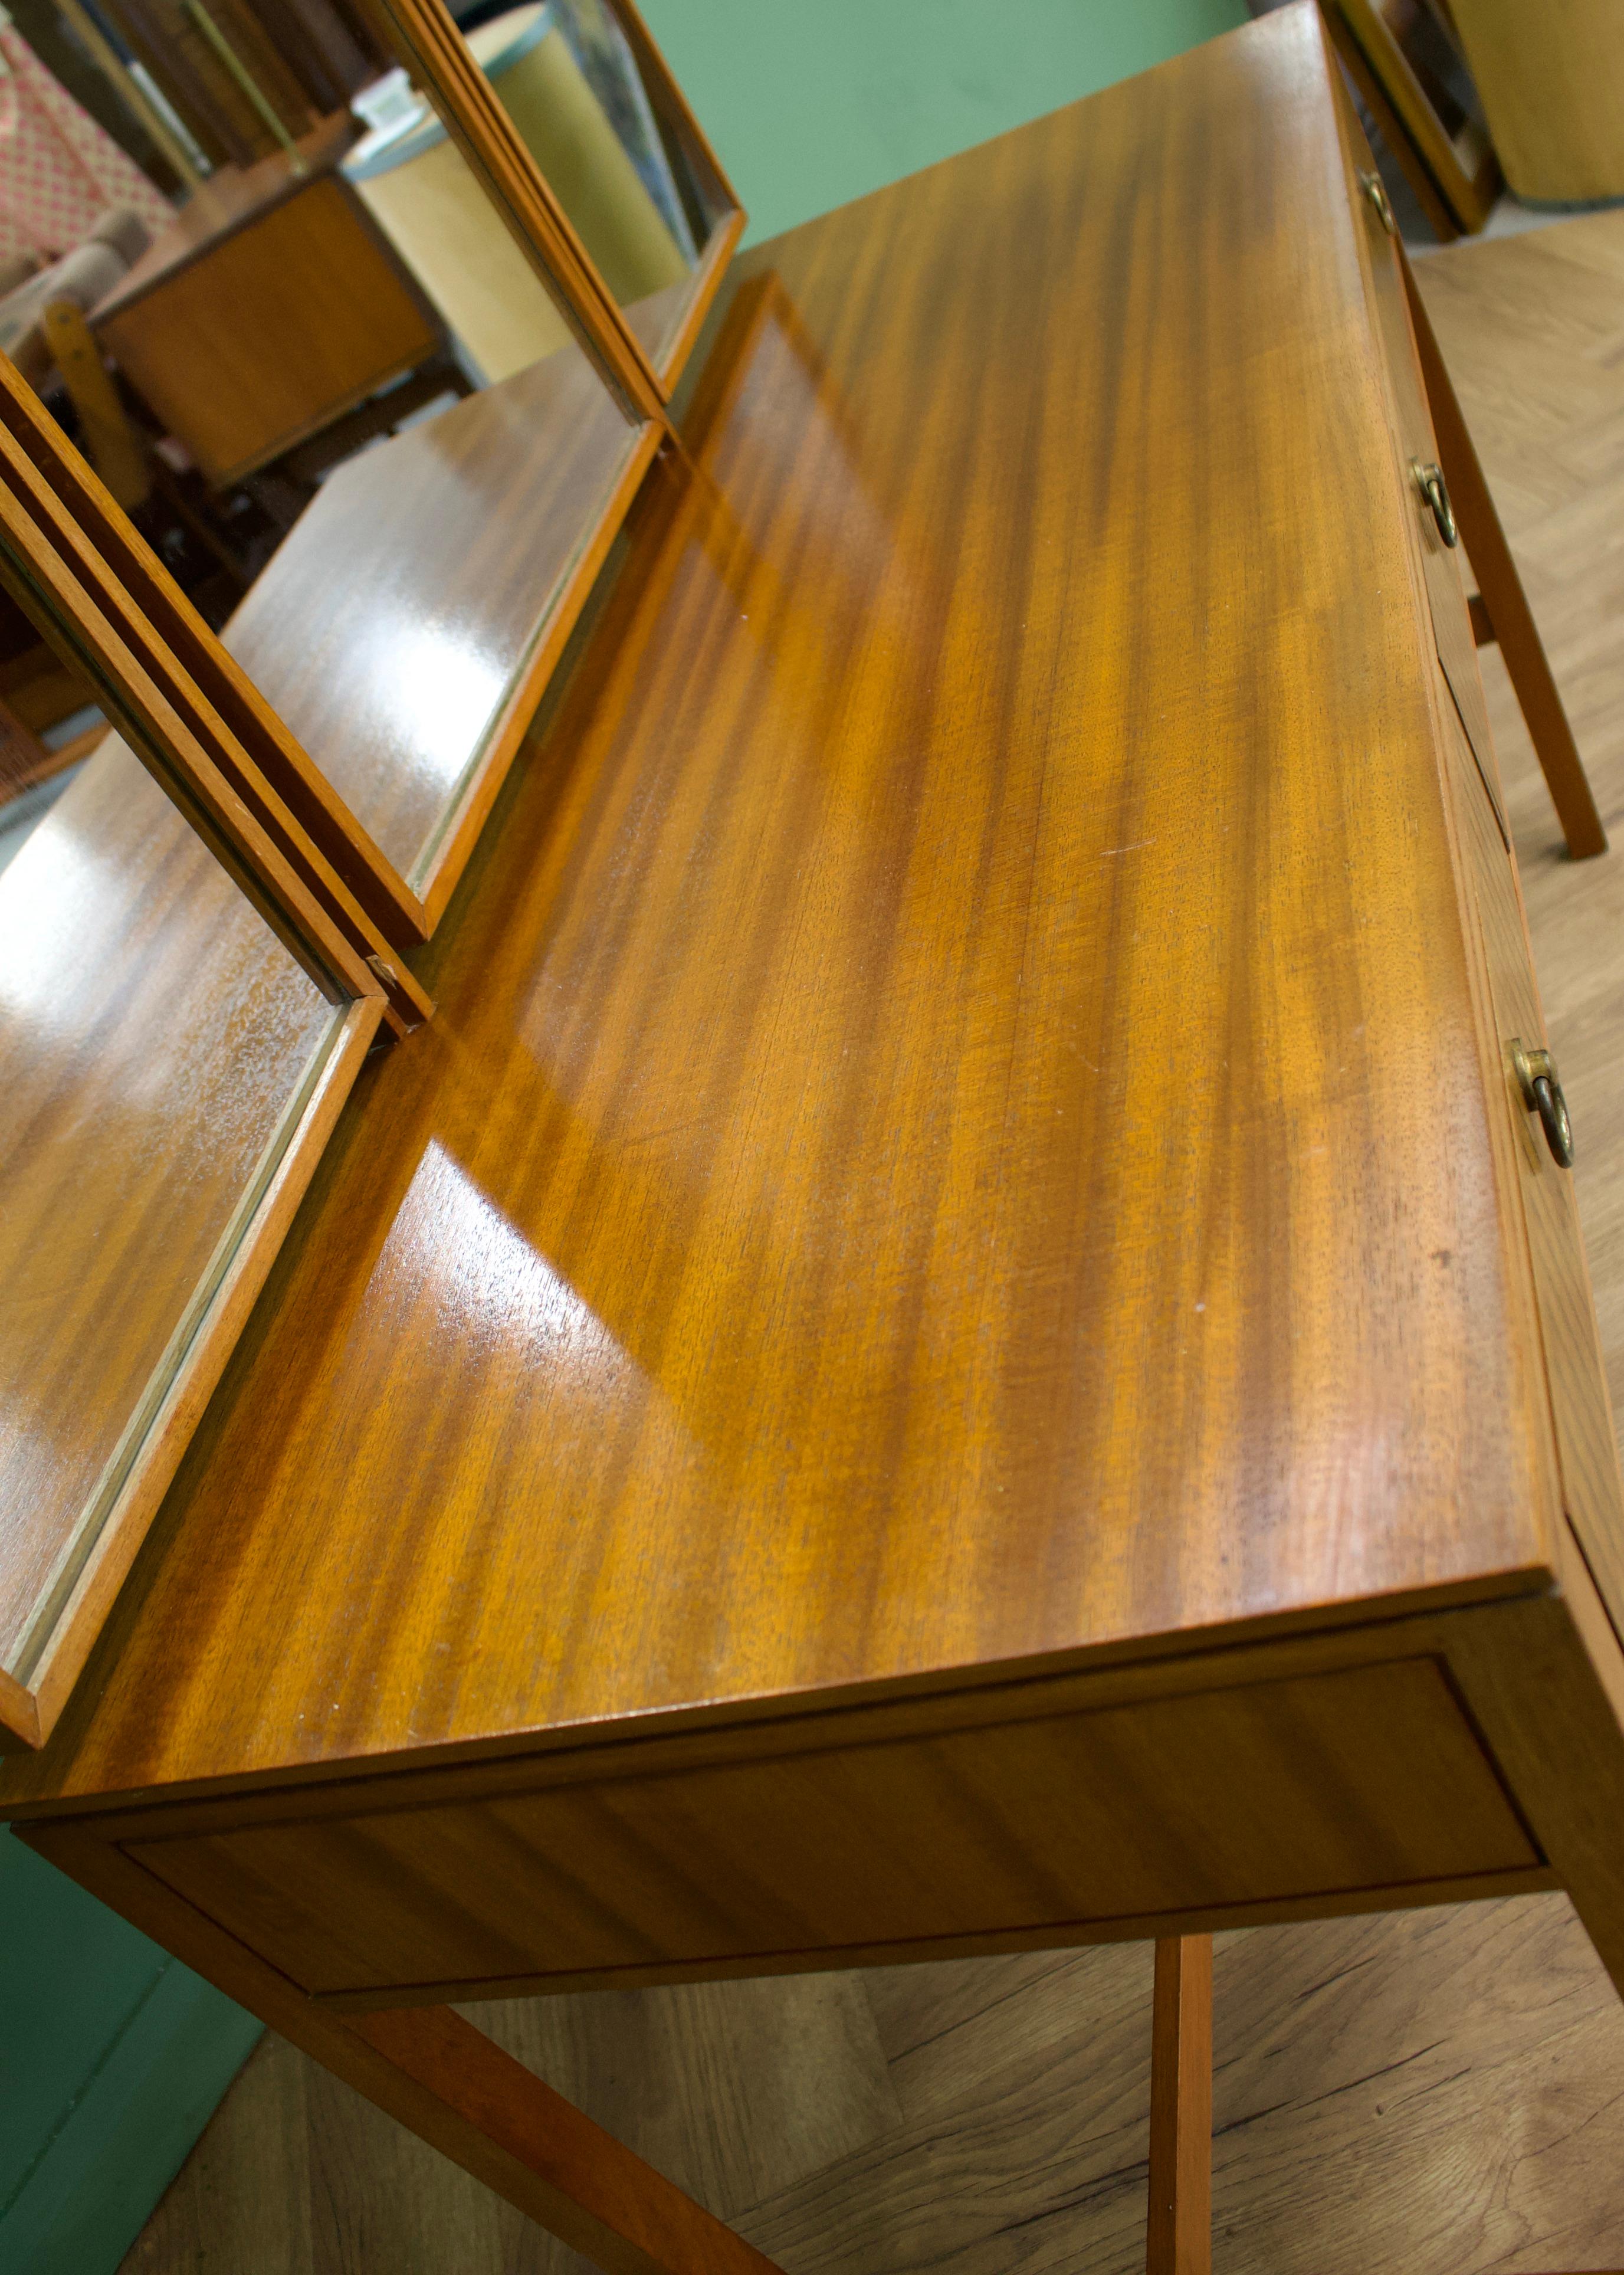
(965, 1331)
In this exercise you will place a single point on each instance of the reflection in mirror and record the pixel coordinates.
(370, 447)
(346, 412)
(406, 627)
(172, 1071)
(582, 87)
(265, 335)
(49, 725)
(423, 195)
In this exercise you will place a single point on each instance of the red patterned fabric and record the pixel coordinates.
(59, 171)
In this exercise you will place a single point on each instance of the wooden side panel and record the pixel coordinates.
(1578, 1387)
(1501, 610)
(281, 327)
(1587, 1448)
(1543, 1680)
(1369, 1776)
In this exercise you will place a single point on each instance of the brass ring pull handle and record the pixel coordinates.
(1542, 1094)
(1374, 189)
(1430, 483)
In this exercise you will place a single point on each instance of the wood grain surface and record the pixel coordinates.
(227, 199)
(1221, 1800)
(956, 1137)
(1429, 2090)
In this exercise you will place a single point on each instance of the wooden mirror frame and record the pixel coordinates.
(366, 894)
(72, 558)
(58, 579)
(424, 35)
(68, 583)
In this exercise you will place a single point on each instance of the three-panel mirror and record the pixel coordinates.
(350, 434)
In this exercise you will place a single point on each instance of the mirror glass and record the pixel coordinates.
(318, 371)
(613, 145)
(166, 1063)
(402, 627)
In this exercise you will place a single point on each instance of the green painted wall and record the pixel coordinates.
(810, 103)
(112, 2056)
(112, 2059)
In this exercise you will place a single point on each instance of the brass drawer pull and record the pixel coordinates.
(1430, 481)
(1542, 1094)
(1376, 191)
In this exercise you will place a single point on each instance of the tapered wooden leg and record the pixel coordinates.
(488, 2111)
(446, 2082)
(1178, 2229)
(1506, 611)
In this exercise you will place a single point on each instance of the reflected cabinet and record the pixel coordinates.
(967, 1328)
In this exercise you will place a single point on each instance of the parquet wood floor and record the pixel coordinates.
(1439, 2092)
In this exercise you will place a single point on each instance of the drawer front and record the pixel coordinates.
(1586, 1448)
(1360, 1779)
(1452, 627)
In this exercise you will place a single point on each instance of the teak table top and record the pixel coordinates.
(953, 1139)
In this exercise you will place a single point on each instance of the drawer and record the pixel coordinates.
(1057, 1825)
(1440, 563)
(1582, 1410)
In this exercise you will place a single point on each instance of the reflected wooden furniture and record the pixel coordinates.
(306, 61)
(273, 307)
(959, 1336)
(1551, 80)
